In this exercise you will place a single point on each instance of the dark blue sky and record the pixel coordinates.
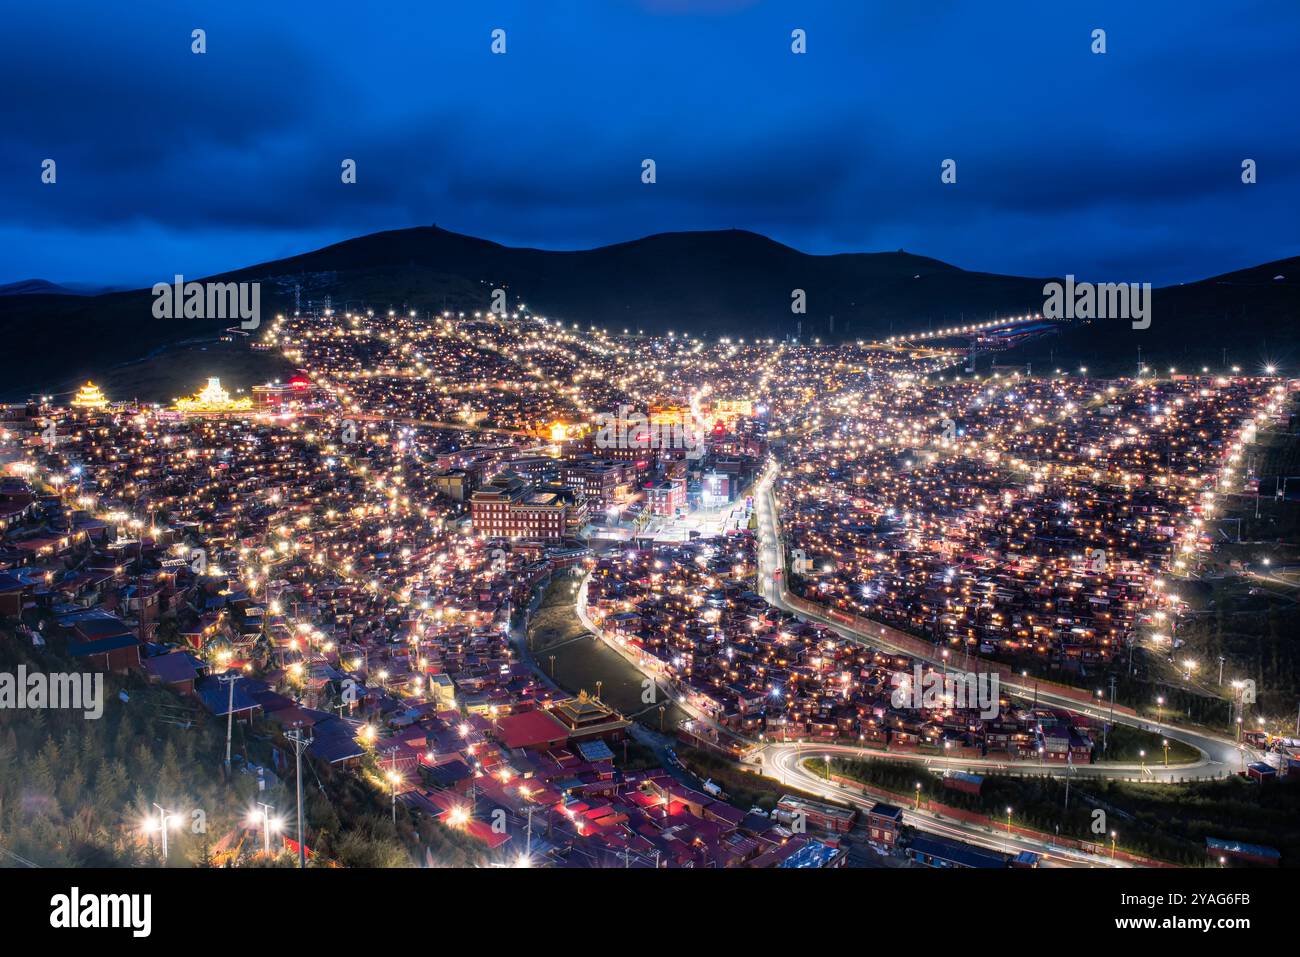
(1123, 166)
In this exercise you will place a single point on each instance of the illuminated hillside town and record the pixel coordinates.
(762, 549)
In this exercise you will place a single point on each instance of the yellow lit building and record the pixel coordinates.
(212, 399)
(587, 717)
(89, 397)
(727, 411)
(666, 413)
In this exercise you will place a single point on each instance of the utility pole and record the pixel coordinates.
(229, 679)
(392, 779)
(300, 741)
(1112, 700)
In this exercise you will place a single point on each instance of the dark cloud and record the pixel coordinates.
(1126, 163)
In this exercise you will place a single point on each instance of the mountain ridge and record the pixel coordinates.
(728, 282)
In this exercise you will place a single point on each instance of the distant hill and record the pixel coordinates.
(28, 287)
(727, 282)
(1249, 318)
(31, 287)
(714, 283)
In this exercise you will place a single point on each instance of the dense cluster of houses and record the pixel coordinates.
(298, 562)
(344, 557)
(544, 473)
(1030, 520)
(688, 613)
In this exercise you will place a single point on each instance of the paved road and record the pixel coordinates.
(784, 762)
(1219, 756)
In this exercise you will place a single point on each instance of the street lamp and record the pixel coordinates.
(1165, 745)
(394, 779)
(918, 796)
(267, 824)
(1112, 845)
(1160, 704)
(165, 819)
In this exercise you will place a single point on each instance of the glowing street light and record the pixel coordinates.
(394, 779)
(165, 821)
(267, 824)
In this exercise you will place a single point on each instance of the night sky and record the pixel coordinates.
(1122, 166)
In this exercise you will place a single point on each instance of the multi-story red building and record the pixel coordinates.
(666, 497)
(601, 482)
(512, 509)
(884, 824)
(299, 388)
(807, 813)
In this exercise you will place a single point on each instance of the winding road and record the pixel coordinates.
(1219, 756)
(785, 761)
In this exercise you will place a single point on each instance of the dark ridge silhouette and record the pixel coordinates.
(29, 287)
(710, 283)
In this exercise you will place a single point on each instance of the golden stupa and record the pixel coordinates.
(89, 397)
(211, 399)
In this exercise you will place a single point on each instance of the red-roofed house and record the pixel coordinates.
(530, 729)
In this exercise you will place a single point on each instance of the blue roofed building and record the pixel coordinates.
(930, 851)
(816, 854)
